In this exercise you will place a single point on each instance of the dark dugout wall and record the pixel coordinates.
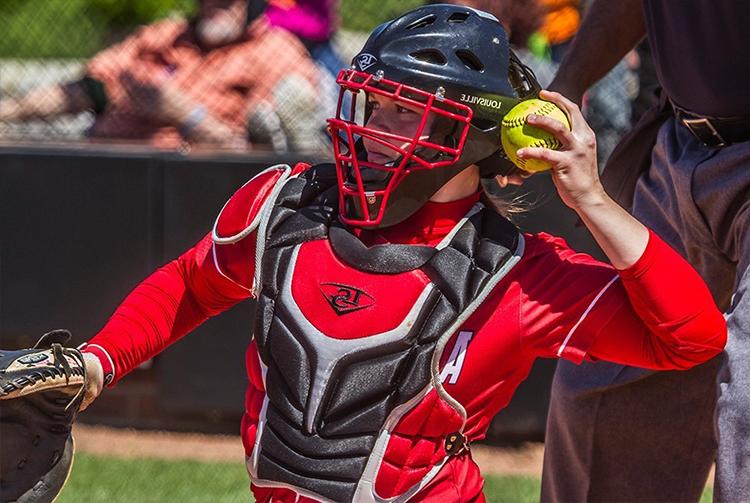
(80, 227)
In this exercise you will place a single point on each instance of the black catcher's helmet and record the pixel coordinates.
(450, 61)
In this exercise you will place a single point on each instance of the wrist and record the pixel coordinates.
(105, 361)
(593, 200)
(94, 379)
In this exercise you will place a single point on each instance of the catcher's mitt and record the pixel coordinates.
(41, 390)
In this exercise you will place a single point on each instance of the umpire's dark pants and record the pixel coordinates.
(618, 433)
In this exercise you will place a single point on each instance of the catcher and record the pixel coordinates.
(397, 307)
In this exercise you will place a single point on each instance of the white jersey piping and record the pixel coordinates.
(583, 316)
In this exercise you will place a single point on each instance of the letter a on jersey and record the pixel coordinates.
(455, 362)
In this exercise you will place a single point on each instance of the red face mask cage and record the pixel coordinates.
(410, 150)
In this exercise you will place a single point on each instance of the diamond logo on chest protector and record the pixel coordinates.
(344, 298)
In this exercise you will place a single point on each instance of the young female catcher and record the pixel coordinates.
(397, 308)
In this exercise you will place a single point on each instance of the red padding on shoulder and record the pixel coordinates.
(245, 204)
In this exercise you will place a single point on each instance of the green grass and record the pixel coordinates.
(511, 489)
(111, 480)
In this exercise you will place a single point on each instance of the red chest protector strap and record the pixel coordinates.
(351, 336)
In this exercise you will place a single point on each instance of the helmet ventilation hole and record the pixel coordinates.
(422, 22)
(458, 17)
(430, 56)
(470, 60)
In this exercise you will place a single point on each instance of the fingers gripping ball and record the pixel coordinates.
(516, 133)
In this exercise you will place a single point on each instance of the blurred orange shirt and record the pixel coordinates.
(561, 21)
(229, 81)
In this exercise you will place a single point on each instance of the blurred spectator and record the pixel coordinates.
(201, 80)
(561, 21)
(521, 19)
(314, 22)
(607, 105)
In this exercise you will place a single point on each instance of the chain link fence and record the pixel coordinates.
(161, 72)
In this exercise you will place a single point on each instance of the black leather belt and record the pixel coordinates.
(715, 132)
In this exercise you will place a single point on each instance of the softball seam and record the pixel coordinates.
(520, 121)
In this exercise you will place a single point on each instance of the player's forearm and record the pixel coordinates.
(155, 314)
(609, 30)
(46, 102)
(165, 307)
(620, 235)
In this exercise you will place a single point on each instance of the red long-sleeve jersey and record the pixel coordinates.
(554, 303)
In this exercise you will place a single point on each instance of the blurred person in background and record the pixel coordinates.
(205, 80)
(607, 104)
(521, 19)
(561, 21)
(619, 433)
(314, 22)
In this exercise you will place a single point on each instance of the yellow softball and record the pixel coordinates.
(516, 133)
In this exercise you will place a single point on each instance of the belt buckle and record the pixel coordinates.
(705, 132)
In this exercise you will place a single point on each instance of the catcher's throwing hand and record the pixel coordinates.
(41, 391)
(574, 167)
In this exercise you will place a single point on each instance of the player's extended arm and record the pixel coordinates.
(676, 309)
(608, 31)
(207, 279)
(47, 102)
(164, 307)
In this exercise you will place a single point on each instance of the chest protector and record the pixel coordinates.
(351, 337)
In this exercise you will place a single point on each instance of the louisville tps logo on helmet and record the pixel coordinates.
(365, 61)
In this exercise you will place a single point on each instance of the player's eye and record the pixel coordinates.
(373, 104)
(404, 110)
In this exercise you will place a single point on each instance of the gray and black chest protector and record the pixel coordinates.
(331, 403)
